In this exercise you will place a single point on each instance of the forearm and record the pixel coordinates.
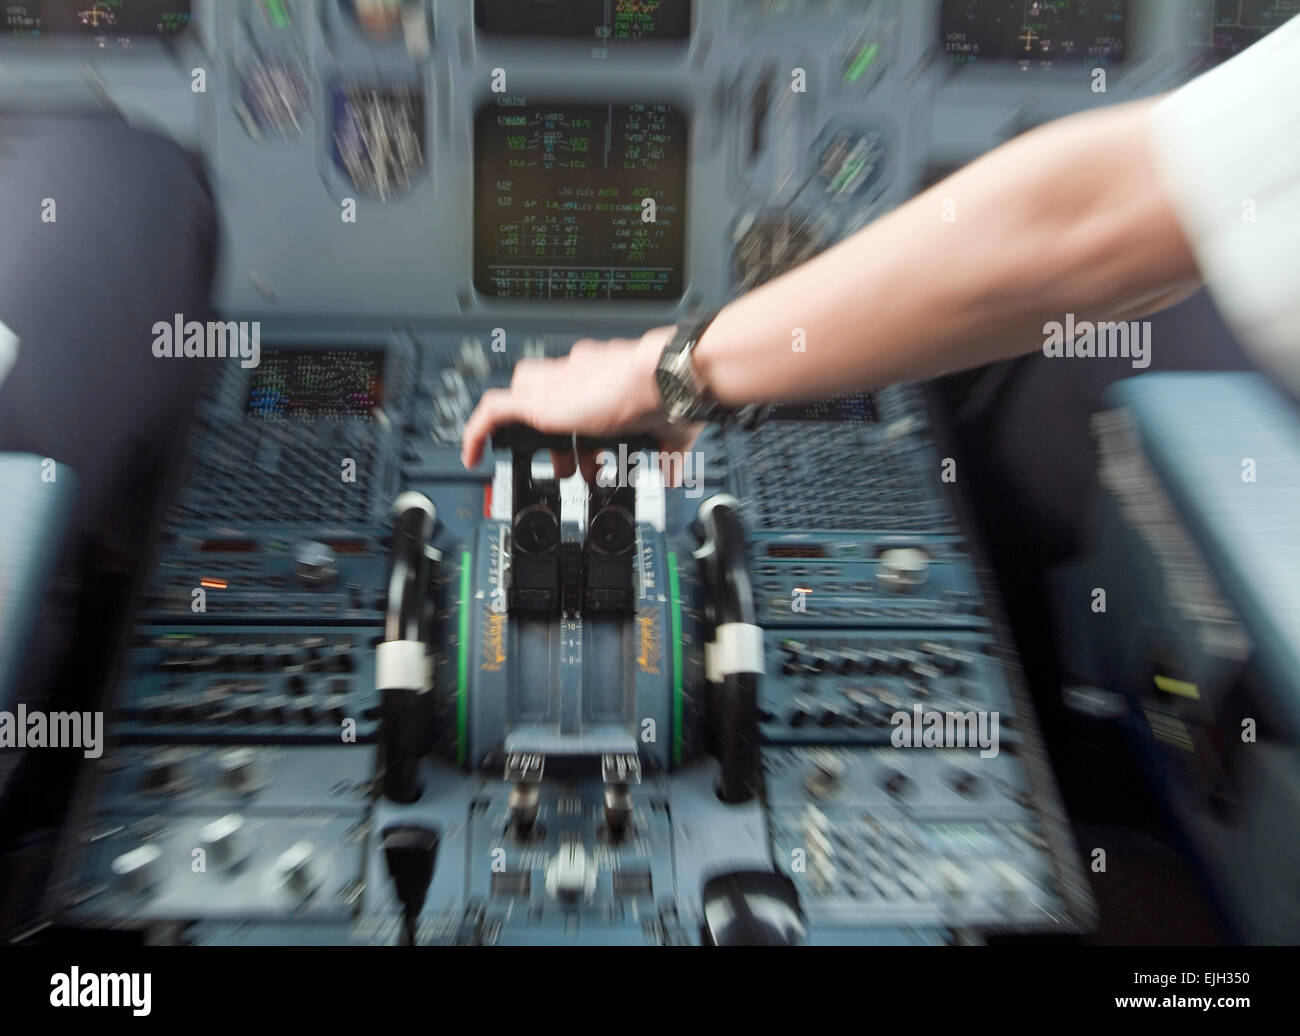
(1068, 218)
(1071, 218)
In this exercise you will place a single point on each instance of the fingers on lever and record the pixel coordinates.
(587, 462)
(565, 464)
(562, 461)
(497, 407)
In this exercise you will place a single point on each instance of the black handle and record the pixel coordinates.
(403, 721)
(733, 701)
(522, 438)
(408, 581)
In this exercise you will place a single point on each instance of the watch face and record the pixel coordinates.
(671, 392)
(681, 395)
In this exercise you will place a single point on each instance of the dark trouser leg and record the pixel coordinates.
(132, 243)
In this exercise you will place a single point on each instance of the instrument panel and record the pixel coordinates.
(440, 142)
(415, 195)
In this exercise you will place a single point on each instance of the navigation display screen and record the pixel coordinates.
(1039, 33)
(580, 201)
(586, 19)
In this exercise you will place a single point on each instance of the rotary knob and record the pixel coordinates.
(315, 565)
(225, 841)
(902, 568)
(140, 870)
(296, 869)
(237, 770)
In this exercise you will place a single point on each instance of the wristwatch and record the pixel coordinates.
(684, 399)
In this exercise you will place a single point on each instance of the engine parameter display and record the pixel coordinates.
(1038, 32)
(586, 19)
(112, 18)
(331, 383)
(580, 202)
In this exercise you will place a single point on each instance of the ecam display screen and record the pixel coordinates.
(580, 201)
(586, 19)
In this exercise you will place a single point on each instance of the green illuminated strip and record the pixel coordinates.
(462, 663)
(862, 62)
(675, 620)
(850, 170)
(277, 14)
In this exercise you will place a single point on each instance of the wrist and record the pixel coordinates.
(645, 362)
(705, 363)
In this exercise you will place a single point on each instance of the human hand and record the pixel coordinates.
(598, 389)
